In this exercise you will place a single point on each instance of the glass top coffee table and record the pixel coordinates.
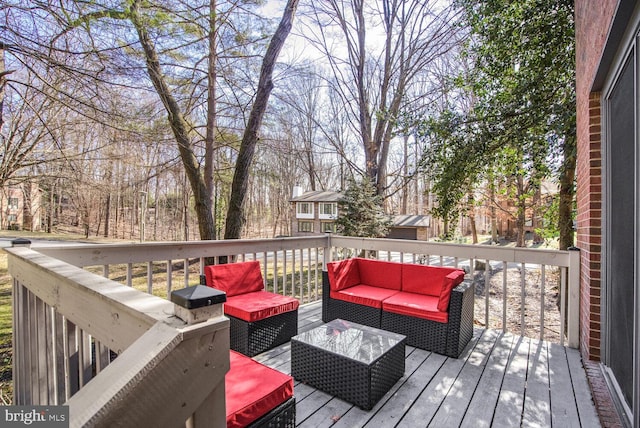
(354, 362)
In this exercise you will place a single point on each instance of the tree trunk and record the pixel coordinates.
(180, 128)
(236, 217)
(565, 207)
(107, 214)
(210, 139)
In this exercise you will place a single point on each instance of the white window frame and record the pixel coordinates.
(322, 215)
(303, 214)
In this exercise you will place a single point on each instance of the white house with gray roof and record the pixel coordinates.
(316, 212)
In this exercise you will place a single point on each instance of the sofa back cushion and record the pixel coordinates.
(437, 281)
(343, 274)
(379, 273)
(235, 278)
(424, 279)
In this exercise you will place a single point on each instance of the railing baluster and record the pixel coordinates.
(186, 273)
(105, 271)
(315, 296)
(300, 275)
(169, 276)
(58, 358)
(275, 272)
(33, 349)
(542, 290)
(129, 273)
(265, 261)
(85, 357)
(487, 287)
(563, 300)
(150, 277)
(100, 361)
(523, 275)
(284, 274)
(72, 383)
(43, 350)
(505, 266)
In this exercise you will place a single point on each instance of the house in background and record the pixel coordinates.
(608, 206)
(407, 226)
(315, 212)
(20, 207)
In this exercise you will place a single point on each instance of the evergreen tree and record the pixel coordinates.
(361, 211)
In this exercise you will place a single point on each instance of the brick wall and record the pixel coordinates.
(593, 20)
(589, 177)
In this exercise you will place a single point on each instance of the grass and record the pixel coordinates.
(6, 352)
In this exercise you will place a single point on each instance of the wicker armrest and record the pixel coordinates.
(461, 308)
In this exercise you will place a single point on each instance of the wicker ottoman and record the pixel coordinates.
(356, 363)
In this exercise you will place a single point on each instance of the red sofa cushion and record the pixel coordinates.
(364, 295)
(343, 274)
(423, 279)
(415, 305)
(252, 390)
(435, 281)
(259, 305)
(450, 282)
(235, 278)
(379, 273)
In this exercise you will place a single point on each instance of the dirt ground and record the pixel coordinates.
(531, 302)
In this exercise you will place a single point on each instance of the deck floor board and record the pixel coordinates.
(499, 380)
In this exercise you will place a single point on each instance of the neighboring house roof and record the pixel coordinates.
(411, 221)
(318, 196)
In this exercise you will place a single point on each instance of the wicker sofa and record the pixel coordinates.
(431, 305)
(259, 320)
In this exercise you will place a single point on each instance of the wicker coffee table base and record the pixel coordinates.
(356, 382)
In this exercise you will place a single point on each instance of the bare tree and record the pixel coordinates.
(375, 71)
(235, 213)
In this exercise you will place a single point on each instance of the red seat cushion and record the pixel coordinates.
(364, 295)
(415, 305)
(343, 274)
(259, 305)
(235, 278)
(252, 390)
(379, 273)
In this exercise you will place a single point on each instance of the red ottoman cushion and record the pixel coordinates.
(252, 390)
(252, 307)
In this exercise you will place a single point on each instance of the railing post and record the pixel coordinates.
(194, 305)
(573, 296)
(327, 254)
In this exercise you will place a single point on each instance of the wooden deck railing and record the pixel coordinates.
(292, 266)
(69, 321)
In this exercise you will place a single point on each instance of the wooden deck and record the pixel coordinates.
(500, 380)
